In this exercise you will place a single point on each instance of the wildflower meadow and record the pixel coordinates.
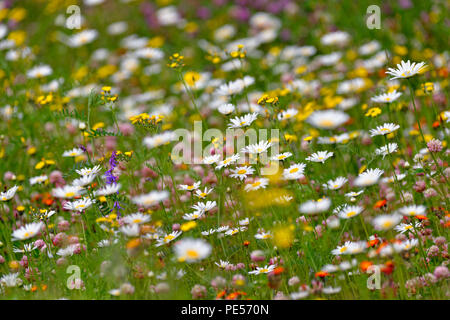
(224, 150)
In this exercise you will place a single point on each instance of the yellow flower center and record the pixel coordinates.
(242, 171)
(387, 224)
(192, 254)
(326, 123)
(351, 214)
(168, 237)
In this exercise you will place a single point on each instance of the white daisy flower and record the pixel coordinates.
(88, 171)
(202, 194)
(202, 207)
(263, 235)
(38, 179)
(192, 187)
(168, 238)
(243, 121)
(413, 210)
(226, 109)
(193, 216)
(294, 172)
(386, 221)
(315, 206)
(84, 180)
(406, 227)
(192, 250)
(406, 245)
(75, 152)
(159, 139)
(81, 38)
(287, 114)
(350, 211)
(130, 230)
(257, 148)
(27, 231)
(281, 156)
(11, 280)
(265, 269)
(108, 189)
(335, 184)
(39, 72)
(327, 119)
(320, 156)
(78, 205)
(67, 192)
(8, 194)
(406, 70)
(260, 183)
(150, 199)
(368, 177)
(387, 97)
(241, 172)
(226, 162)
(222, 264)
(384, 129)
(211, 159)
(137, 218)
(387, 149)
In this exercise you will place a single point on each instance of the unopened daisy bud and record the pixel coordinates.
(61, 261)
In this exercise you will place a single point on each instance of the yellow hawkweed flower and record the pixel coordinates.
(191, 77)
(188, 226)
(428, 87)
(373, 112)
(176, 61)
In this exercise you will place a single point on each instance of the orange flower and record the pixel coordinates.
(246, 243)
(235, 295)
(380, 203)
(384, 244)
(373, 243)
(420, 217)
(321, 274)
(436, 124)
(221, 294)
(388, 267)
(364, 265)
(278, 270)
(134, 243)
